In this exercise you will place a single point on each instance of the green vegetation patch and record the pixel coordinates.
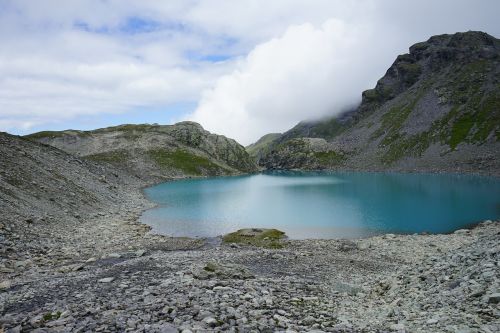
(476, 112)
(186, 162)
(398, 145)
(414, 145)
(113, 157)
(44, 134)
(268, 238)
(329, 157)
(51, 316)
(262, 146)
(328, 129)
(379, 94)
(127, 128)
(411, 72)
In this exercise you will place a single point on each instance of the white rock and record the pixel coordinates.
(5, 285)
(107, 280)
(210, 321)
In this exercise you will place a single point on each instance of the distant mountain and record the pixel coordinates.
(437, 108)
(260, 148)
(155, 151)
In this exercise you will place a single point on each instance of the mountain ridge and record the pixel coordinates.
(152, 150)
(437, 108)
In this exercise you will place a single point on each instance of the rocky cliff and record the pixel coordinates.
(155, 151)
(437, 108)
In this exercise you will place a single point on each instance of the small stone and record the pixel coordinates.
(4, 285)
(432, 321)
(36, 321)
(397, 327)
(16, 329)
(77, 267)
(210, 321)
(168, 328)
(494, 298)
(107, 280)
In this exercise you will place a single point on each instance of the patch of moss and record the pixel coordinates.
(414, 145)
(329, 157)
(268, 238)
(410, 72)
(51, 316)
(419, 47)
(262, 146)
(127, 128)
(475, 113)
(186, 162)
(327, 129)
(460, 130)
(394, 119)
(399, 145)
(44, 134)
(210, 267)
(377, 95)
(487, 118)
(297, 145)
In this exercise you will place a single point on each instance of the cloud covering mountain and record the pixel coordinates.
(240, 68)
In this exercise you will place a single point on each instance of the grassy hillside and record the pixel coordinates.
(155, 151)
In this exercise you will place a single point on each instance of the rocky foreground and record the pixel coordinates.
(74, 258)
(112, 275)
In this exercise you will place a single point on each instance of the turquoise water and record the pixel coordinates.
(323, 205)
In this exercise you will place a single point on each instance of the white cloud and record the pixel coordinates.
(61, 61)
(307, 73)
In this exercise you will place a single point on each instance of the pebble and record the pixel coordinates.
(106, 280)
(494, 298)
(5, 284)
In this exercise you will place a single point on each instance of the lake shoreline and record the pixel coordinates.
(328, 285)
(344, 204)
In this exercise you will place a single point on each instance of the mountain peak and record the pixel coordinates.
(425, 58)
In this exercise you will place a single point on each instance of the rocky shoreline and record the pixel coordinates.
(112, 275)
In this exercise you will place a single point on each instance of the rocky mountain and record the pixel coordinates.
(437, 108)
(155, 151)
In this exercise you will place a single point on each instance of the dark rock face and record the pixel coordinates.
(155, 151)
(437, 108)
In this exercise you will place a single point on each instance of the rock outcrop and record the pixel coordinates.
(436, 109)
(155, 151)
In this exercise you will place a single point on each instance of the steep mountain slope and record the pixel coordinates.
(155, 151)
(436, 109)
(43, 189)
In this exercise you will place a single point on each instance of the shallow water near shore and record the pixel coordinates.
(323, 204)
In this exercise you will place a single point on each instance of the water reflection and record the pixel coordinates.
(323, 205)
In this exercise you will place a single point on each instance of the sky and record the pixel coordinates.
(240, 68)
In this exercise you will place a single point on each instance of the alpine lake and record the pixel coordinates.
(323, 204)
